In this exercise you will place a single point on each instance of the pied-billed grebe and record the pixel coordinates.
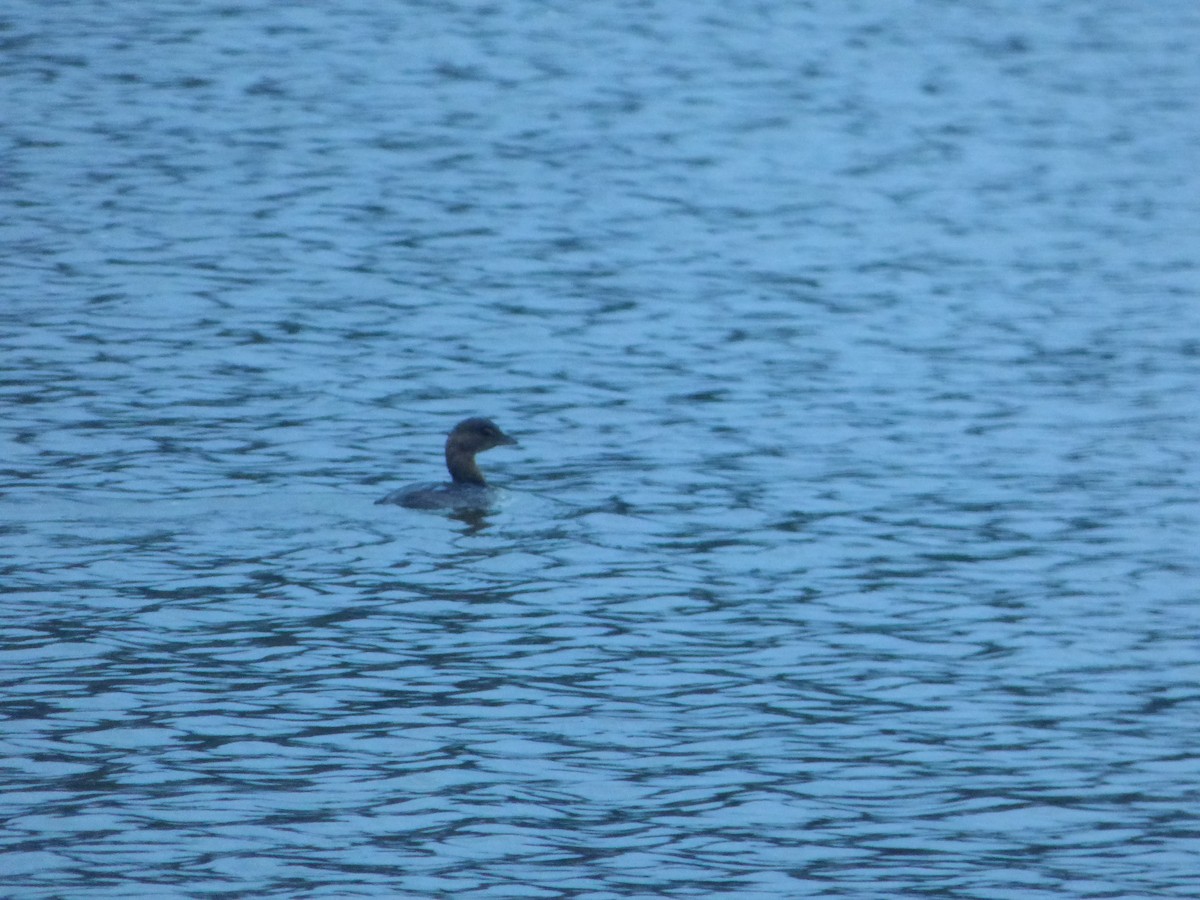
(467, 490)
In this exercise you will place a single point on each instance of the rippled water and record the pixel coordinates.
(850, 549)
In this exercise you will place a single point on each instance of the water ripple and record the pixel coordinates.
(849, 548)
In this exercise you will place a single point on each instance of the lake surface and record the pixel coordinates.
(850, 549)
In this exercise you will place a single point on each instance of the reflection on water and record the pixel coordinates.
(850, 543)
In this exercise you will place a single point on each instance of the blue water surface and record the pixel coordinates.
(850, 547)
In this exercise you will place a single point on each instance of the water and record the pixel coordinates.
(849, 550)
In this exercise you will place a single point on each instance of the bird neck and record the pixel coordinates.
(461, 464)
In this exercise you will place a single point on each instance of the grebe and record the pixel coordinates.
(467, 489)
